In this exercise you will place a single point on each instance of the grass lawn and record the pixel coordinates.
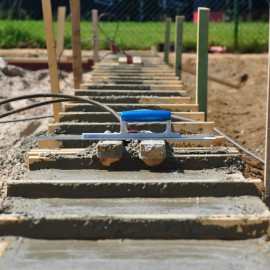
(252, 37)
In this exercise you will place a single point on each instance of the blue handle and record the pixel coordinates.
(146, 116)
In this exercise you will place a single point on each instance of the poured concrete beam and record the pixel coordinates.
(135, 218)
(134, 77)
(181, 162)
(115, 188)
(143, 254)
(129, 93)
(130, 87)
(122, 107)
(143, 99)
(132, 81)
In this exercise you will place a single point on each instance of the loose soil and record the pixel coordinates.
(240, 113)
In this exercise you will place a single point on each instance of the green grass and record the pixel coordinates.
(253, 36)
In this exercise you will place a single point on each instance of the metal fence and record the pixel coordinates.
(138, 24)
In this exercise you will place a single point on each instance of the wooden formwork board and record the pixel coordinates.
(47, 152)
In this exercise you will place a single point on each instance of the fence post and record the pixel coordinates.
(178, 45)
(76, 42)
(236, 22)
(95, 35)
(60, 30)
(267, 135)
(167, 40)
(202, 60)
(52, 60)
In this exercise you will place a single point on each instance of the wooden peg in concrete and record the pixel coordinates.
(152, 152)
(109, 152)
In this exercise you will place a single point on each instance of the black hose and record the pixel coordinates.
(57, 100)
(117, 25)
(69, 97)
(65, 97)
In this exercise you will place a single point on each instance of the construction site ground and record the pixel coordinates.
(238, 112)
(194, 210)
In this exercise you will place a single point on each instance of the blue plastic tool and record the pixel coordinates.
(144, 116)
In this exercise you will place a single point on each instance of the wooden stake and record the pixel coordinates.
(52, 60)
(60, 30)
(202, 60)
(76, 42)
(267, 135)
(178, 45)
(95, 35)
(167, 40)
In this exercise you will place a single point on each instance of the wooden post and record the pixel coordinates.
(76, 42)
(60, 30)
(167, 40)
(202, 60)
(52, 60)
(236, 22)
(267, 135)
(178, 45)
(95, 35)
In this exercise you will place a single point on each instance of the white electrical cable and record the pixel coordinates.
(226, 137)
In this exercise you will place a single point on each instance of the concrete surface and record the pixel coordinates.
(214, 175)
(176, 162)
(143, 99)
(128, 93)
(121, 107)
(136, 77)
(139, 188)
(23, 253)
(148, 218)
(132, 87)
